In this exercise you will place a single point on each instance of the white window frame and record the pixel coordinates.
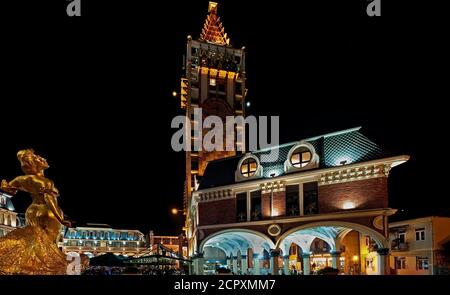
(421, 236)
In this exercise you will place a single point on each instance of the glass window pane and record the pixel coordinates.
(295, 159)
(244, 168)
(306, 157)
(253, 166)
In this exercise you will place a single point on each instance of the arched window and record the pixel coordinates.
(301, 157)
(249, 167)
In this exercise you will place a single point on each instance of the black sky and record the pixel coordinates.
(93, 94)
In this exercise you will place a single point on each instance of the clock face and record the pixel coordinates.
(217, 107)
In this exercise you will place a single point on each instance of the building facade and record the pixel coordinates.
(298, 207)
(9, 219)
(320, 202)
(98, 239)
(420, 246)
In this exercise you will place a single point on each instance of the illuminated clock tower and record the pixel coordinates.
(215, 82)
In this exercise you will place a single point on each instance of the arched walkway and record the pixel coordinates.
(345, 246)
(238, 245)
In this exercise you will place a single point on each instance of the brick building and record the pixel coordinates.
(321, 201)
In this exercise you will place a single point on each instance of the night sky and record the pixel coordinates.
(93, 95)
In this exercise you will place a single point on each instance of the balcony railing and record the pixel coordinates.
(397, 246)
(103, 249)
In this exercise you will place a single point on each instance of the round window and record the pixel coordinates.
(301, 157)
(249, 167)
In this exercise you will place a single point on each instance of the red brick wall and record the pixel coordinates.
(279, 204)
(365, 194)
(265, 205)
(217, 212)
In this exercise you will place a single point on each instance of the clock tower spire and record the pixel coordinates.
(214, 80)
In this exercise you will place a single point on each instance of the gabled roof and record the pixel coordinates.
(213, 30)
(349, 146)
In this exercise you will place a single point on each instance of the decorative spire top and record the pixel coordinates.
(213, 31)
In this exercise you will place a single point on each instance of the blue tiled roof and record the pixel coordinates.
(349, 145)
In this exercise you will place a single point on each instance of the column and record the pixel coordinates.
(306, 264)
(383, 263)
(286, 264)
(274, 254)
(335, 261)
(229, 262)
(244, 264)
(256, 267)
(198, 264)
(235, 266)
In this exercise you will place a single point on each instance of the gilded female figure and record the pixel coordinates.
(33, 249)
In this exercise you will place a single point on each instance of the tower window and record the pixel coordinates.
(301, 157)
(212, 82)
(249, 167)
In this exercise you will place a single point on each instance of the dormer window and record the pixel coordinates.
(301, 157)
(249, 167)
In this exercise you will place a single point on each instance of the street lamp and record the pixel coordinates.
(175, 211)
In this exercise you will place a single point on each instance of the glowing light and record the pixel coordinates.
(174, 94)
(248, 104)
(175, 211)
(355, 258)
(348, 205)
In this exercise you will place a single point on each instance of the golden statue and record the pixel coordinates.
(33, 249)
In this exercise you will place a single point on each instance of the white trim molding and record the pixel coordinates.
(355, 173)
(215, 195)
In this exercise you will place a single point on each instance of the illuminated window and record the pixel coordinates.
(212, 82)
(422, 263)
(249, 167)
(301, 157)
